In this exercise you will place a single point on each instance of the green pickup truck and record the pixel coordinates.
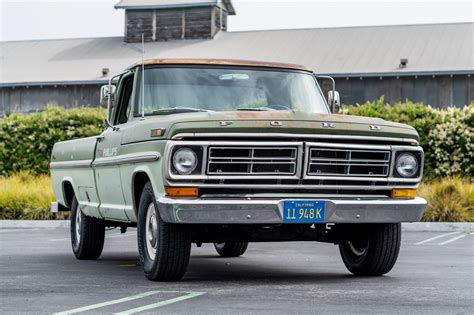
(230, 152)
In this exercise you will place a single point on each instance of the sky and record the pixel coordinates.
(39, 19)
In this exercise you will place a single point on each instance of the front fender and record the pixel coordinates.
(153, 172)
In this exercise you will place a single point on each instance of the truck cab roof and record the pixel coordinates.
(223, 62)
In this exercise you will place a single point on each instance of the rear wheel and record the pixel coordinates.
(164, 248)
(231, 249)
(370, 249)
(87, 234)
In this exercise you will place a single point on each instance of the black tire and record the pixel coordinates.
(370, 249)
(91, 233)
(231, 249)
(173, 243)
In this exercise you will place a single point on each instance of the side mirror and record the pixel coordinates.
(334, 100)
(106, 98)
(333, 96)
(106, 91)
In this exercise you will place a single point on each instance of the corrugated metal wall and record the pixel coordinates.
(35, 98)
(437, 91)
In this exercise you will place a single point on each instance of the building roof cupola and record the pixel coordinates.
(163, 20)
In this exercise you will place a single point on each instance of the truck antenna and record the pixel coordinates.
(143, 77)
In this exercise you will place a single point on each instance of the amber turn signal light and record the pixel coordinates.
(157, 132)
(181, 191)
(403, 193)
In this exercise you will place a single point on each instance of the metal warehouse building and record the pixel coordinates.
(432, 63)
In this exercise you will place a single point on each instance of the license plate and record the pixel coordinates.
(303, 211)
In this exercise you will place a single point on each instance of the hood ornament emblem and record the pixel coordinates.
(328, 125)
(225, 123)
(276, 123)
(374, 128)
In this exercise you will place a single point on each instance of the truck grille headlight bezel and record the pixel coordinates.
(202, 177)
(407, 164)
(186, 160)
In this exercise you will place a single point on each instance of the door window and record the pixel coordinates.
(125, 99)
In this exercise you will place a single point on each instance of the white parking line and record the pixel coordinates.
(18, 230)
(162, 303)
(59, 239)
(131, 298)
(103, 304)
(453, 239)
(436, 237)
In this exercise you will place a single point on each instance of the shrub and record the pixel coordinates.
(26, 141)
(25, 196)
(452, 143)
(445, 135)
(449, 200)
(422, 117)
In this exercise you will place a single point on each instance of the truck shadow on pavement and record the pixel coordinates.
(213, 268)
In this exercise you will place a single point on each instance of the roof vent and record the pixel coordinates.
(403, 63)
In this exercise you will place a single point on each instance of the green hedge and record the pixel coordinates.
(26, 140)
(447, 136)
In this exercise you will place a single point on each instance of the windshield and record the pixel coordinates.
(188, 89)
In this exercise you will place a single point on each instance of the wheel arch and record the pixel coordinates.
(68, 191)
(139, 179)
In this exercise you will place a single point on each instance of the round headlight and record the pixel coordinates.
(185, 161)
(406, 165)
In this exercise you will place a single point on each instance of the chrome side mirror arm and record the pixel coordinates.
(333, 95)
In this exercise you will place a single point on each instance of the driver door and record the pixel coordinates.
(106, 167)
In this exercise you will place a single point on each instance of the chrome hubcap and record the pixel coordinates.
(357, 249)
(151, 231)
(78, 225)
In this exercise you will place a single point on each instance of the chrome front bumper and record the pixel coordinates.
(270, 211)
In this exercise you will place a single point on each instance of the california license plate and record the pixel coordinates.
(303, 211)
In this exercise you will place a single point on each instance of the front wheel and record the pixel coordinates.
(231, 249)
(370, 249)
(87, 234)
(164, 248)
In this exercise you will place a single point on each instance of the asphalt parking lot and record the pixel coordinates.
(39, 274)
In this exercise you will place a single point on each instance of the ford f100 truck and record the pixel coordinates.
(230, 152)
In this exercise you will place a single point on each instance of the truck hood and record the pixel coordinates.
(268, 122)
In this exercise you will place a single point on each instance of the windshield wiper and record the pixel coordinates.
(279, 108)
(255, 109)
(177, 109)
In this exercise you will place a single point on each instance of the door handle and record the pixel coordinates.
(100, 138)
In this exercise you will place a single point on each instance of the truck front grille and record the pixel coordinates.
(242, 160)
(348, 162)
(297, 167)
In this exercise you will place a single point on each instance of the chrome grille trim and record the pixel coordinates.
(300, 186)
(197, 135)
(255, 160)
(310, 160)
(324, 161)
(298, 159)
(301, 179)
